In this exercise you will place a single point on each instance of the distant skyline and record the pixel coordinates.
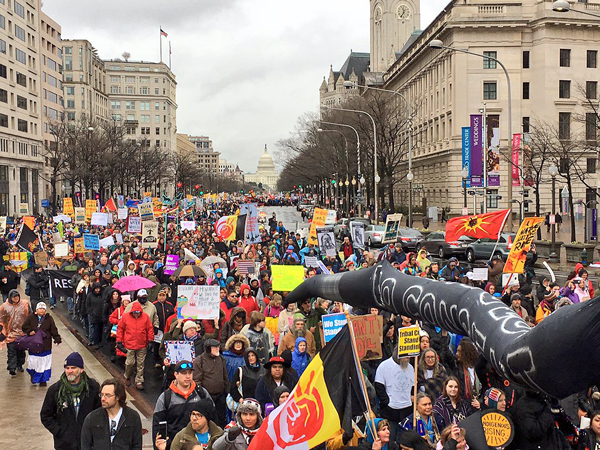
(245, 70)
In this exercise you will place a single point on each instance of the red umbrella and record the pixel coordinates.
(133, 283)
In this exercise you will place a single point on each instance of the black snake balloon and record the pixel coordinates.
(560, 356)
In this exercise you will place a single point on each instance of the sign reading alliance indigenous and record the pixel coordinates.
(480, 226)
(515, 263)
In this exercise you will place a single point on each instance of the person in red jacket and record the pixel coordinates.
(133, 334)
(247, 301)
(114, 320)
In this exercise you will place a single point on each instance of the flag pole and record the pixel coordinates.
(160, 34)
(415, 386)
(363, 385)
(169, 54)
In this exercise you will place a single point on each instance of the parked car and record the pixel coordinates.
(486, 248)
(374, 235)
(341, 226)
(409, 237)
(435, 243)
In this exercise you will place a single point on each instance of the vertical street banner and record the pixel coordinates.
(150, 234)
(527, 159)
(515, 263)
(318, 221)
(466, 152)
(68, 207)
(516, 148)
(252, 231)
(476, 151)
(493, 158)
(91, 206)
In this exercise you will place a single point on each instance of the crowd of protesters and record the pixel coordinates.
(250, 358)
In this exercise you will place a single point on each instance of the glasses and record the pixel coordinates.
(186, 366)
(101, 395)
(196, 415)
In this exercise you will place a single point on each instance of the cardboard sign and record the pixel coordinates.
(150, 234)
(91, 206)
(198, 302)
(119, 238)
(368, 333)
(252, 235)
(318, 221)
(188, 225)
(515, 263)
(497, 429)
(134, 225)
(122, 213)
(326, 241)
(392, 225)
(91, 241)
(146, 211)
(68, 207)
(107, 242)
(332, 324)
(41, 258)
(78, 245)
(171, 264)
(99, 219)
(176, 351)
(311, 261)
(79, 215)
(2, 225)
(61, 250)
(287, 278)
(120, 201)
(480, 274)
(357, 231)
(409, 341)
(23, 209)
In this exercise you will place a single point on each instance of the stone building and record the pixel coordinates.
(265, 175)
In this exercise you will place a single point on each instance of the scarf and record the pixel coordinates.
(67, 391)
(434, 428)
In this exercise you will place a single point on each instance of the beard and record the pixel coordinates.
(403, 363)
(300, 333)
(72, 378)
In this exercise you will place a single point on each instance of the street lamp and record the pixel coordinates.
(409, 178)
(321, 130)
(562, 6)
(436, 43)
(553, 171)
(465, 177)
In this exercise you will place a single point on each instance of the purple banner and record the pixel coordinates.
(476, 166)
(171, 264)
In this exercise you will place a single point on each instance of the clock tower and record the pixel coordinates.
(392, 23)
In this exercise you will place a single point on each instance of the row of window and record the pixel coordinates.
(130, 90)
(22, 125)
(143, 80)
(144, 106)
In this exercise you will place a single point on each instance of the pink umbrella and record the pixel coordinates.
(133, 283)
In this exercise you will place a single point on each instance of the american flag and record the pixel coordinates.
(163, 33)
(245, 267)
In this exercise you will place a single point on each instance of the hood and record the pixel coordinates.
(245, 286)
(136, 306)
(96, 285)
(488, 286)
(298, 340)
(235, 311)
(237, 338)
(370, 438)
(250, 350)
(542, 278)
(229, 280)
(218, 271)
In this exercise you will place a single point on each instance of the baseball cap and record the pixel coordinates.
(142, 293)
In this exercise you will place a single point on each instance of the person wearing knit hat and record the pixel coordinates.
(188, 325)
(494, 398)
(240, 432)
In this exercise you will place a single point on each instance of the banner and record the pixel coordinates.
(134, 225)
(326, 241)
(357, 231)
(198, 302)
(157, 206)
(287, 278)
(80, 215)
(318, 221)
(188, 225)
(408, 341)
(60, 284)
(476, 159)
(332, 325)
(252, 231)
(91, 241)
(368, 332)
(493, 158)
(91, 206)
(146, 211)
(150, 234)
(515, 263)
(466, 152)
(516, 147)
(392, 225)
(171, 264)
(18, 261)
(110, 206)
(527, 160)
(27, 239)
(68, 207)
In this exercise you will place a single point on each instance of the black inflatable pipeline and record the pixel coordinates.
(560, 356)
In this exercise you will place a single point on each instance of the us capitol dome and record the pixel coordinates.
(265, 172)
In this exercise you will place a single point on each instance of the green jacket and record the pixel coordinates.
(189, 435)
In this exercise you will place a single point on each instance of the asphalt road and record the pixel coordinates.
(292, 220)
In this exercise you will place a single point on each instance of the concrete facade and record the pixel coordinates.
(208, 158)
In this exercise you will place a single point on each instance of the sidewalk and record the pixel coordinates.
(21, 401)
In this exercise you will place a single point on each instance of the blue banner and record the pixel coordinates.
(466, 152)
(332, 324)
(91, 241)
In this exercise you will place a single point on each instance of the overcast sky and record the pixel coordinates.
(246, 69)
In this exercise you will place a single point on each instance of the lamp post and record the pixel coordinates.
(563, 6)
(375, 173)
(553, 171)
(408, 106)
(465, 177)
(321, 130)
(436, 43)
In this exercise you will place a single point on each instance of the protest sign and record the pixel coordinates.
(357, 231)
(120, 201)
(188, 225)
(509, 279)
(368, 332)
(23, 209)
(332, 324)
(311, 261)
(318, 221)
(68, 207)
(480, 274)
(392, 224)
(122, 213)
(2, 225)
(91, 241)
(61, 250)
(79, 215)
(91, 206)
(252, 235)
(119, 238)
(198, 302)
(171, 264)
(146, 212)
(515, 263)
(157, 206)
(331, 217)
(99, 219)
(287, 278)
(497, 429)
(61, 218)
(150, 234)
(176, 351)
(134, 225)
(107, 242)
(408, 341)
(41, 258)
(78, 245)
(326, 241)
(324, 269)
(56, 237)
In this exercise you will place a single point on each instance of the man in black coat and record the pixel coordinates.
(78, 396)
(115, 426)
(9, 280)
(38, 286)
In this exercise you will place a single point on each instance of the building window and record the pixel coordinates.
(591, 165)
(21, 102)
(2, 22)
(3, 95)
(591, 126)
(156, 118)
(2, 46)
(145, 90)
(3, 120)
(71, 104)
(526, 124)
(526, 59)
(115, 89)
(129, 89)
(591, 90)
(526, 91)
(2, 71)
(114, 79)
(157, 131)
(129, 79)
(68, 50)
(490, 63)
(129, 105)
(145, 106)
(592, 59)
(70, 90)
(564, 125)
(116, 117)
(115, 105)
(19, 33)
(563, 165)
(492, 198)
(21, 56)
(565, 57)
(22, 125)
(564, 89)
(21, 79)
(490, 90)
(19, 10)
(68, 63)
(70, 116)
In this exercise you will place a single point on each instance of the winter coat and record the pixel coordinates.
(227, 307)
(443, 407)
(189, 435)
(229, 329)
(300, 360)
(12, 281)
(234, 360)
(94, 305)
(211, 371)
(47, 325)
(66, 425)
(289, 343)
(223, 443)
(534, 424)
(249, 379)
(262, 341)
(587, 440)
(164, 310)
(312, 319)
(12, 318)
(285, 321)
(266, 386)
(114, 319)
(135, 333)
(38, 286)
(95, 434)
(149, 309)
(248, 303)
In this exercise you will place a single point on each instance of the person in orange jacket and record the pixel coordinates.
(247, 301)
(133, 334)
